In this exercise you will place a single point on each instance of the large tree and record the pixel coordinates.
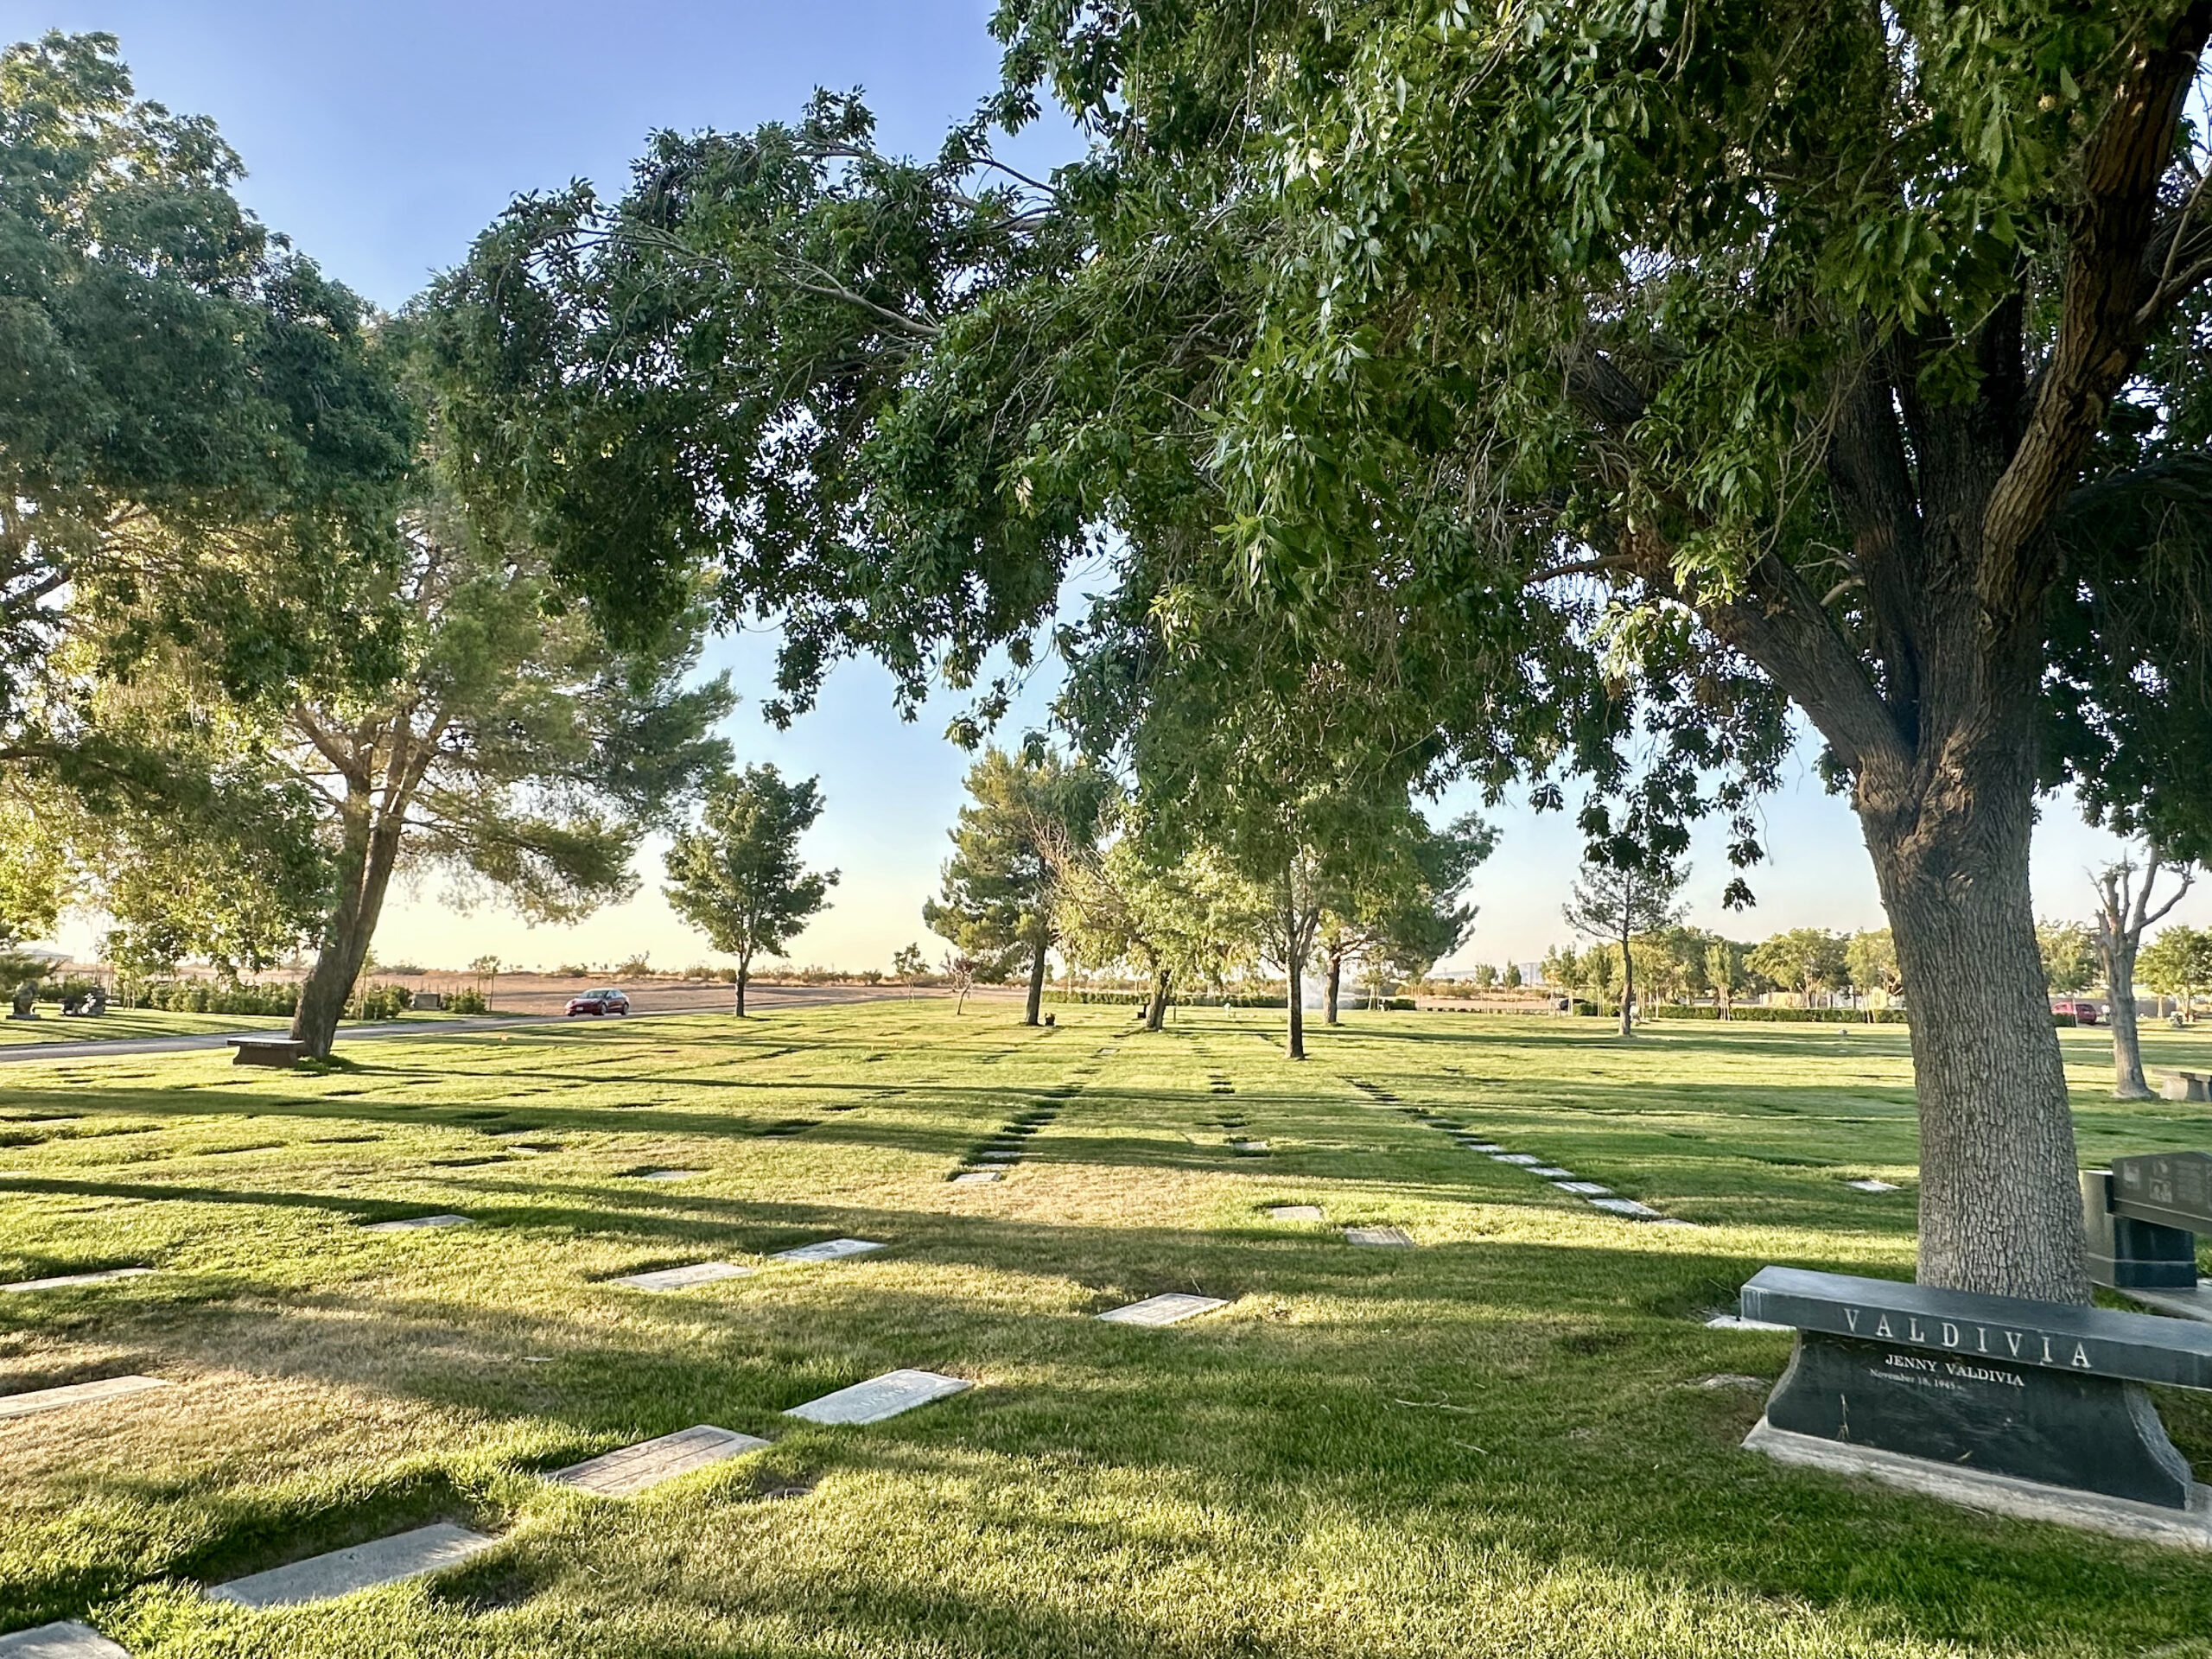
(1176, 913)
(179, 380)
(1572, 372)
(2128, 904)
(737, 876)
(202, 454)
(1619, 899)
(998, 897)
(1396, 896)
(511, 749)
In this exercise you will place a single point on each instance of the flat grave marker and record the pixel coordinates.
(34, 1400)
(1870, 1185)
(977, 1176)
(685, 1278)
(1482, 1146)
(1170, 1309)
(66, 1640)
(1626, 1207)
(1248, 1145)
(62, 1281)
(881, 1397)
(1551, 1172)
(385, 1561)
(1296, 1212)
(1524, 1160)
(830, 1249)
(1385, 1237)
(1738, 1322)
(629, 1470)
(409, 1223)
(1585, 1189)
(669, 1175)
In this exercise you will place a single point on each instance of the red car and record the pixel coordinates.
(2085, 1014)
(601, 1002)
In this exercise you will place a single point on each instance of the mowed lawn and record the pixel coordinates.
(121, 1023)
(1515, 1437)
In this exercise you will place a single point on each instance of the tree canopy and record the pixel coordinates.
(1578, 389)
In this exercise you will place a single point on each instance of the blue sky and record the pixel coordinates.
(382, 137)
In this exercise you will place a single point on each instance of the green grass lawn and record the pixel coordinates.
(1508, 1440)
(51, 1026)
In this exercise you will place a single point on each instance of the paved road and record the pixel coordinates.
(765, 998)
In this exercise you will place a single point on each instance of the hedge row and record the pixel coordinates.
(1753, 1013)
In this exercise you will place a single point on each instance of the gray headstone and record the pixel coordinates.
(1394, 1236)
(632, 1469)
(386, 1560)
(67, 1279)
(1296, 1212)
(881, 1397)
(1525, 1159)
(76, 1394)
(1628, 1207)
(699, 1272)
(407, 1225)
(1585, 1189)
(830, 1249)
(1872, 1185)
(977, 1176)
(668, 1175)
(1552, 1173)
(1170, 1309)
(67, 1640)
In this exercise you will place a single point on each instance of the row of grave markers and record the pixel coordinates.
(628, 1471)
(623, 1472)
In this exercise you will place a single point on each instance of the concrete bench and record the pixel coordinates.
(2186, 1085)
(2035, 1408)
(280, 1052)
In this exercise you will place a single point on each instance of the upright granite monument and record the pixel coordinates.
(2035, 1408)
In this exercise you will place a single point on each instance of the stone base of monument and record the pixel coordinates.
(2195, 1303)
(2028, 1500)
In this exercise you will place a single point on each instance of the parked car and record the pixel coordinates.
(601, 1002)
(2085, 1014)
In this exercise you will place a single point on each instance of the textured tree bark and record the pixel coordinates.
(2127, 1079)
(1156, 1010)
(1036, 988)
(1628, 987)
(2000, 1199)
(1336, 986)
(369, 848)
(744, 973)
(1294, 1042)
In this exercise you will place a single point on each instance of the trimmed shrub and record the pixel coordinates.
(469, 1001)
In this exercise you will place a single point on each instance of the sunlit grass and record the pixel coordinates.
(1497, 1443)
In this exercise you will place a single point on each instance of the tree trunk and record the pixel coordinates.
(1294, 1043)
(1156, 1010)
(1628, 987)
(1036, 990)
(1335, 984)
(2127, 1081)
(2000, 1207)
(367, 852)
(744, 973)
